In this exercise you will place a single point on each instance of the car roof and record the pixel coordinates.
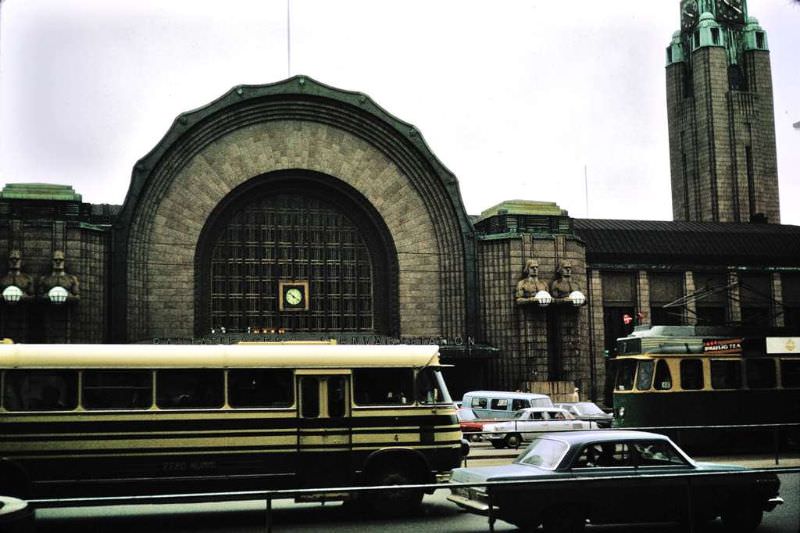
(603, 435)
(540, 409)
(505, 394)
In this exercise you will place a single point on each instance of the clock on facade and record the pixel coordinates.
(689, 14)
(293, 296)
(730, 11)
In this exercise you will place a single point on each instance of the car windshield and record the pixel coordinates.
(544, 453)
(588, 408)
(466, 414)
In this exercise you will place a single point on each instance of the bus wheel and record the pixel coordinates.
(498, 444)
(14, 481)
(513, 440)
(394, 502)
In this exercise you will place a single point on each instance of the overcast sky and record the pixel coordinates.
(515, 97)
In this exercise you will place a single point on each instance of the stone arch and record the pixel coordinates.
(297, 125)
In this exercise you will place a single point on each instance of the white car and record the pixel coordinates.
(527, 423)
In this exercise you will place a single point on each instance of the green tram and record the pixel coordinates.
(696, 376)
(102, 420)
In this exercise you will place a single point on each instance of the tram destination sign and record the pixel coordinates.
(783, 345)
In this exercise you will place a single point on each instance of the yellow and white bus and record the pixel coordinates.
(86, 420)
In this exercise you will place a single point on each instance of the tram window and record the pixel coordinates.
(117, 389)
(691, 374)
(40, 390)
(179, 389)
(258, 387)
(663, 380)
(337, 397)
(625, 374)
(760, 373)
(726, 374)
(644, 379)
(790, 373)
(383, 386)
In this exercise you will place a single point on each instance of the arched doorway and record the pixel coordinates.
(302, 230)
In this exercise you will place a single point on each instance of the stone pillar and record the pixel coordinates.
(690, 313)
(776, 302)
(734, 310)
(642, 299)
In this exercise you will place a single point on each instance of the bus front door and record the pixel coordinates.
(324, 430)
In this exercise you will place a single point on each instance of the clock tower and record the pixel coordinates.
(721, 119)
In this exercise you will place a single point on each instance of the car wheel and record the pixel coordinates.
(513, 440)
(394, 502)
(498, 444)
(563, 519)
(741, 517)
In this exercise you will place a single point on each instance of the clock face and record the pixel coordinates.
(294, 296)
(689, 14)
(730, 11)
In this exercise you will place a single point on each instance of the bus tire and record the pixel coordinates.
(513, 440)
(395, 502)
(741, 517)
(14, 481)
(498, 444)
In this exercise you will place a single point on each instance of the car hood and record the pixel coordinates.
(498, 473)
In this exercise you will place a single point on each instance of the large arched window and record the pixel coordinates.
(280, 233)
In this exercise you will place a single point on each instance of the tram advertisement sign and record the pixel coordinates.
(722, 346)
(783, 344)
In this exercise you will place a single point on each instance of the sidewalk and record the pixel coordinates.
(761, 460)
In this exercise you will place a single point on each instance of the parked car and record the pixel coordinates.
(588, 411)
(527, 423)
(472, 425)
(502, 404)
(630, 488)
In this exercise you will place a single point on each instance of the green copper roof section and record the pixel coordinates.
(39, 191)
(755, 38)
(523, 207)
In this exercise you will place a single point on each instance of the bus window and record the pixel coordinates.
(663, 379)
(431, 387)
(179, 389)
(625, 373)
(337, 396)
(40, 390)
(383, 386)
(256, 387)
(644, 379)
(117, 389)
(760, 373)
(309, 397)
(790, 373)
(691, 374)
(726, 374)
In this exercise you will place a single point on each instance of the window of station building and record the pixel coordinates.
(711, 290)
(117, 389)
(790, 373)
(259, 387)
(755, 293)
(644, 377)
(186, 389)
(790, 289)
(40, 390)
(726, 374)
(760, 373)
(383, 386)
(691, 374)
(663, 379)
(666, 288)
(619, 290)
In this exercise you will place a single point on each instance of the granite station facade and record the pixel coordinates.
(297, 210)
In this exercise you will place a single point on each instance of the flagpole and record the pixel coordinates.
(288, 39)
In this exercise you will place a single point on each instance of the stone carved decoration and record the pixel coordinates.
(48, 285)
(564, 289)
(530, 289)
(16, 278)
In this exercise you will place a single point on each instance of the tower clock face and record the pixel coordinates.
(293, 295)
(689, 14)
(730, 11)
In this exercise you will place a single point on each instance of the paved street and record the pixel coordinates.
(436, 514)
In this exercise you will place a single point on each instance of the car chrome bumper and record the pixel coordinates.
(772, 503)
(466, 503)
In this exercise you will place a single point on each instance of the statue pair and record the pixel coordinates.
(58, 277)
(527, 287)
